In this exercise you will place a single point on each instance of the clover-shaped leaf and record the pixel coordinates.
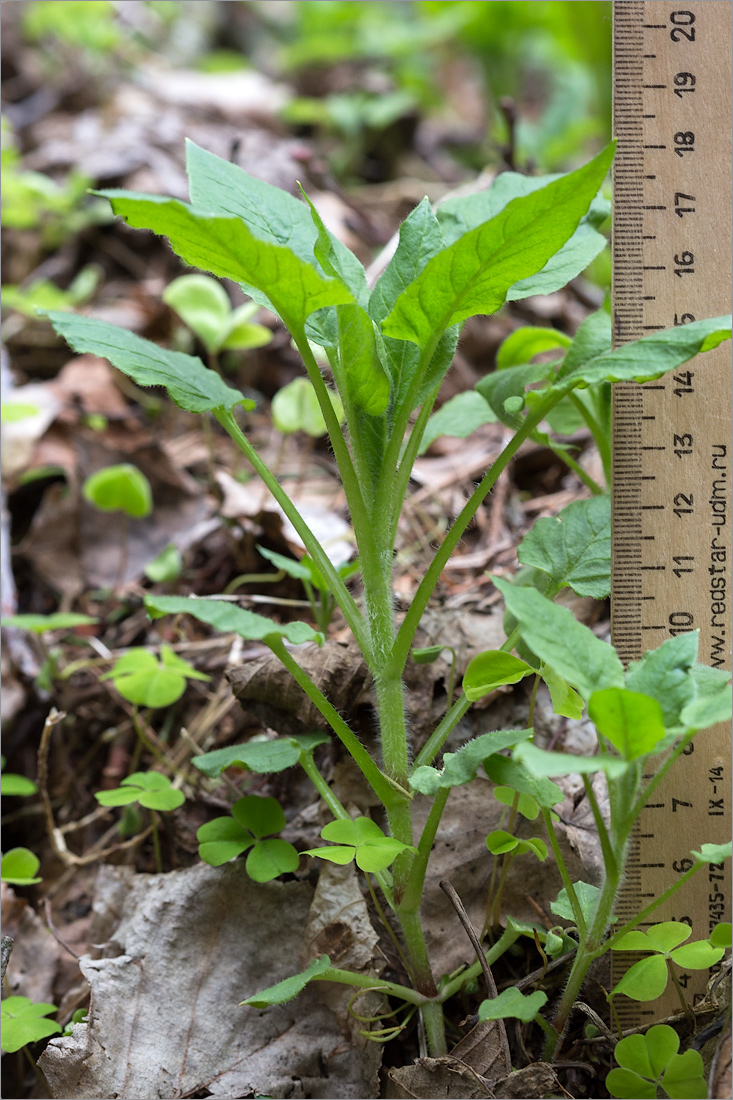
(360, 839)
(151, 789)
(500, 843)
(24, 1022)
(121, 488)
(13, 784)
(527, 806)
(144, 680)
(253, 818)
(587, 896)
(651, 1061)
(512, 1004)
(647, 979)
(18, 867)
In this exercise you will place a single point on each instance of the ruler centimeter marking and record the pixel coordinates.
(672, 457)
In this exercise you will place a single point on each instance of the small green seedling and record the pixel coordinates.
(19, 867)
(296, 408)
(388, 348)
(40, 624)
(152, 790)
(44, 294)
(25, 1022)
(647, 979)
(203, 304)
(651, 1062)
(121, 488)
(253, 820)
(166, 567)
(12, 784)
(147, 681)
(323, 604)
(80, 1016)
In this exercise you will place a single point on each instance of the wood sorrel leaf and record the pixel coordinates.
(556, 636)
(271, 858)
(202, 303)
(664, 674)
(473, 274)
(190, 384)
(285, 991)
(526, 805)
(461, 767)
(644, 981)
(227, 247)
(574, 547)
(24, 1022)
(222, 839)
(633, 723)
(490, 670)
(228, 618)
(18, 867)
(260, 815)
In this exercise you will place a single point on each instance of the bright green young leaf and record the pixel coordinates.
(361, 378)
(627, 1085)
(270, 858)
(665, 936)
(587, 896)
(512, 1004)
(645, 980)
(459, 417)
(334, 853)
(16, 785)
(557, 637)
(526, 805)
(302, 571)
(499, 842)
(260, 815)
(222, 839)
(650, 1061)
(286, 990)
(427, 654)
(592, 339)
(722, 935)
(460, 767)
(565, 701)
(505, 390)
(191, 385)
(650, 357)
(24, 1022)
(356, 831)
(490, 670)
(227, 247)
(228, 618)
(420, 239)
(633, 723)
(523, 344)
(39, 624)
(240, 333)
(202, 303)
(154, 687)
(151, 789)
(574, 547)
(19, 866)
(506, 771)
(664, 674)
(713, 700)
(336, 259)
(685, 1077)
(121, 488)
(295, 408)
(166, 566)
(713, 853)
(262, 757)
(360, 838)
(540, 763)
(697, 956)
(474, 274)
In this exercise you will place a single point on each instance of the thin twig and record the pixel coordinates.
(54, 930)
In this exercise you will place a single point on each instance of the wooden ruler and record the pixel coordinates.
(673, 461)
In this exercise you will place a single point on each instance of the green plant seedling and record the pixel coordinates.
(151, 789)
(40, 624)
(362, 840)
(12, 784)
(203, 304)
(253, 819)
(651, 1062)
(388, 349)
(25, 1022)
(167, 566)
(647, 979)
(121, 488)
(80, 1016)
(323, 605)
(19, 867)
(296, 408)
(44, 294)
(147, 681)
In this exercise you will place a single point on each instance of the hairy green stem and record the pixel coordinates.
(413, 890)
(566, 880)
(647, 912)
(442, 732)
(371, 981)
(309, 767)
(609, 857)
(407, 461)
(345, 600)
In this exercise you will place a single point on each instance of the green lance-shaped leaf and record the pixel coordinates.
(542, 764)
(574, 547)
(490, 670)
(226, 247)
(286, 990)
(474, 274)
(650, 357)
(228, 618)
(460, 767)
(664, 674)
(420, 239)
(633, 723)
(362, 379)
(556, 636)
(513, 1004)
(39, 624)
(337, 260)
(262, 757)
(458, 215)
(190, 384)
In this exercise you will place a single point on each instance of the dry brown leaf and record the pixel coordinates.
(165, 1019)
(432, 1078)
